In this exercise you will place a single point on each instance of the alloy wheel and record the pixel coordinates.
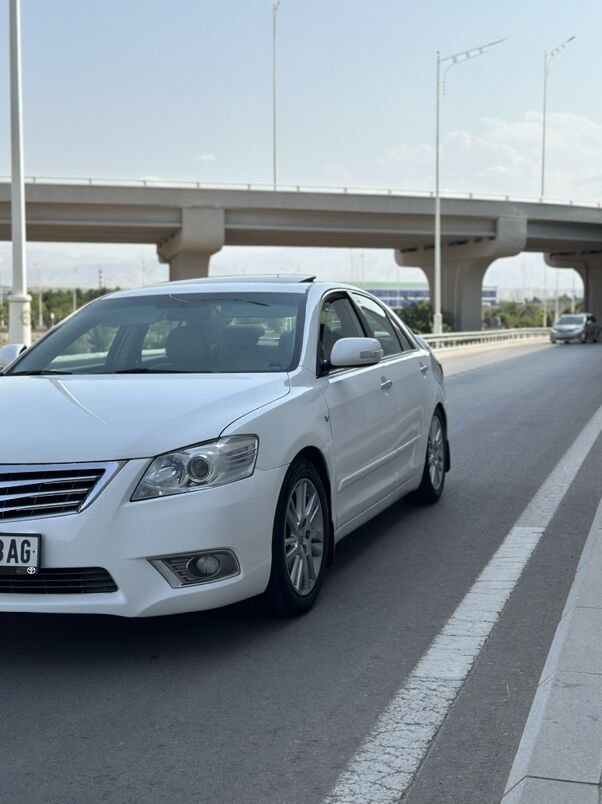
(436, 453)
(304, 536)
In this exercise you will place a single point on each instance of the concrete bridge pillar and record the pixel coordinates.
(589, 267)
(463, 266)
(189, 251)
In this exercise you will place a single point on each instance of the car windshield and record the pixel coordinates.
(571, 319)
(174, 333)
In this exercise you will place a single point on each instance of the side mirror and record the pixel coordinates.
(356, 352)
(10, 353)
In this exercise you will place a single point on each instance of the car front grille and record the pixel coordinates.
(70, 581)
(28, 491)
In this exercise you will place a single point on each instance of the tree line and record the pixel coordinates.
(56, 304)
(505, 315)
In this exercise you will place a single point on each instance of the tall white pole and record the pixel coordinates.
(437, 316)
(275, 9)
(450, 61)
(547, 58)
(19, 317)
(545, 295)
(40, 310)
(573, 294)
(543, 126)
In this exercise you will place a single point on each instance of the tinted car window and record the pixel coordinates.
(378, 324)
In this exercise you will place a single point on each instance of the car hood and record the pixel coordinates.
(103, 418)
(567, 327)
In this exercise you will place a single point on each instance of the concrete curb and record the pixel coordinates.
(559, 759)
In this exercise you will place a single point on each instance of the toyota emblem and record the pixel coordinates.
(31, 570)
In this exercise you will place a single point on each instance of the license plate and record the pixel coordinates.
(19, 554)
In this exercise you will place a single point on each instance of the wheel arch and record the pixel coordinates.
(318, 460)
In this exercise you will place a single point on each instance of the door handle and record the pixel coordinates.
(424, 368)
(385, 383)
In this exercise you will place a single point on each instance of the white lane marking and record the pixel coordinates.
(386, 763)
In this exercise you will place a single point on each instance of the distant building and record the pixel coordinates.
(401, 294)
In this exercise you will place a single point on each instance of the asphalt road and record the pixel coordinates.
(227, 706)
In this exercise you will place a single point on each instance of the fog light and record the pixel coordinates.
(204, 567)
(187, 569)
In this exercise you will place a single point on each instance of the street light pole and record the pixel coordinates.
(451, 61)
(275, 9)
(547, 58)
(573, 293)
(437, 315)
(19, 317)
(40, 310)
(545, 295)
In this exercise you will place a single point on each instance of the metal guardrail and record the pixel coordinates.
(450, 340)
(295, 188)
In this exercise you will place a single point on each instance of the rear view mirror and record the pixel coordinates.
(10, 353)
(355, 352)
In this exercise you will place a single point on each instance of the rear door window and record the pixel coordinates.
(378, 324)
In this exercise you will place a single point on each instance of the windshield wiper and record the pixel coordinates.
(36, 373)
(157, 371)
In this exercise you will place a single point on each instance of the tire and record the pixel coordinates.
(433, 476)
(584, 338)
(300, 542)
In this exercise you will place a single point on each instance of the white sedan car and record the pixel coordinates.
(196, 443)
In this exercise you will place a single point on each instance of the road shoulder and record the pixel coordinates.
(468, 358)
(559, 757)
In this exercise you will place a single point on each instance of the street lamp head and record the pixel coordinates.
(560, 48)
(473, 52)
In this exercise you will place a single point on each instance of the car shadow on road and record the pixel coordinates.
(67, 638)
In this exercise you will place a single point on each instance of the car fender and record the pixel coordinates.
(287, 426)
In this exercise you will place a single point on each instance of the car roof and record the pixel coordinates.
(264, 283)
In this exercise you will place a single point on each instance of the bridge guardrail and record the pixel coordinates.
(449, 340)
(298, 188)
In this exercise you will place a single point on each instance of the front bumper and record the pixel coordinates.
(121, 536)
(566, 336)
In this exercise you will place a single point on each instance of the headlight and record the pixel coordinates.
(212, 464)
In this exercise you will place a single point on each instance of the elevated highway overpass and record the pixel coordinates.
(189, 224)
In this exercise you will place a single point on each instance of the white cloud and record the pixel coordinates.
(207, 157)
(504, 157)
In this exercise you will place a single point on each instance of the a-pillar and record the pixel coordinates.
(189, 250)
(463, 266)
(589, 267)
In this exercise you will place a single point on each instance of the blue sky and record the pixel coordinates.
(181, 89)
